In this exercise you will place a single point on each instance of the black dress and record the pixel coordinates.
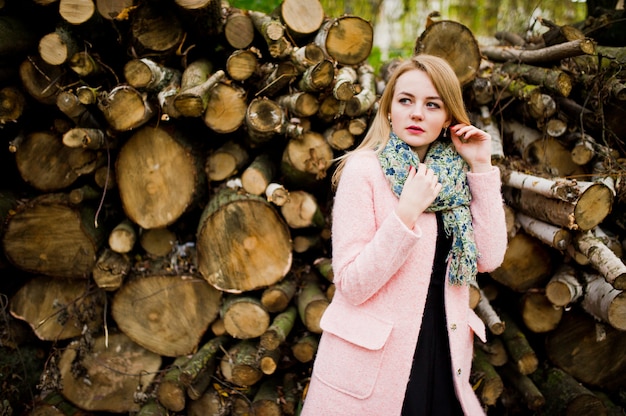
(430, 390)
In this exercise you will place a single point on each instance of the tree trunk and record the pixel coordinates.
(485, 376)
(524, 385)
(604, 302)
(311, 303)
(171, 392)
(564, 395)
(278, 296)
(603, 259)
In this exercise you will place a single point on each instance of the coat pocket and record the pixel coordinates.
(351, 350)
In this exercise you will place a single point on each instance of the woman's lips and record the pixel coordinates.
(415, 129)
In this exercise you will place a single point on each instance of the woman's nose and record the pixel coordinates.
(416, 113)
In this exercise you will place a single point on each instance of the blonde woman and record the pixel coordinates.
(417, 214)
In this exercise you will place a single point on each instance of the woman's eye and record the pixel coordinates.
(433, 105)
(404, 101)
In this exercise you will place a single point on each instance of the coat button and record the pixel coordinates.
(453, 327)
(458, 371)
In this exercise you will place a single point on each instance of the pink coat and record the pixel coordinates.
(382, 271)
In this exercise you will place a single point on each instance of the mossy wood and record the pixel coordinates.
(311, 303)
(279, 329)
(523, 384)
(204, 360)
(520, 350)
(565, 395)
(170, 391)
(239, 364)
(277, 297)
(266, 401)
(485, 378)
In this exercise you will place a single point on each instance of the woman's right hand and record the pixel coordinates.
(420, 190)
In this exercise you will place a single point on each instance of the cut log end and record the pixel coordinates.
(455, 43)
(249, 252)
(593, 206)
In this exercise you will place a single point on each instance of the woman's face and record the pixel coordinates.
(417, 111)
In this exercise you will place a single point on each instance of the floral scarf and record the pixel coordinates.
(453, 200)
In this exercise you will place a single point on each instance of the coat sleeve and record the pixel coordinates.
(368, 247)
(488, 218)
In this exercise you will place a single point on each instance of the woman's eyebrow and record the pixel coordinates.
(434, 97)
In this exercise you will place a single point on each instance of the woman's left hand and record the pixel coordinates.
(474, 145)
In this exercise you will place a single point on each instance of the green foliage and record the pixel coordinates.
(376, 59)
(266, 6)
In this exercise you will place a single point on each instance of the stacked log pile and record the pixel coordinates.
(166, 204)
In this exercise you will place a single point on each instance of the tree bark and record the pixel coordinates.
(523, 357)
(542, 55)
(239, 364)
(565, 395)
(279, 329)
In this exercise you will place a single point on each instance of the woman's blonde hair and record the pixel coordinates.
(445, 82)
